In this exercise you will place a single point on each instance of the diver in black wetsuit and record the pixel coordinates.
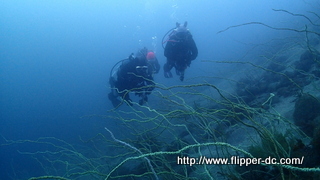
(134, 74)
(180, 50)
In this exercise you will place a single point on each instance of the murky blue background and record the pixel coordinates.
(55, 56)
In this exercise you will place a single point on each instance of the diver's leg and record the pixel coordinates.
(180, 69)
(181, 75)
(124, 92)
(167, 69)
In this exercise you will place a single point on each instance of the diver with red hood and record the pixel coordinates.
(180, 50)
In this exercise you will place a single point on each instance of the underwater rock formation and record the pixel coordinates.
(307, 109)
(307, 60)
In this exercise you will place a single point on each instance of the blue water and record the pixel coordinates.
(55, 57)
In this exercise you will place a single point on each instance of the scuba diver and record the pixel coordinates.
(134, 74)
(180, 50)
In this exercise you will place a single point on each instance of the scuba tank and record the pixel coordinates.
(113, 73)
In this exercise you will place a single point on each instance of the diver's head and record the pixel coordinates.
(142, 70)
(141, 64)
(150, 56)
(181, 31)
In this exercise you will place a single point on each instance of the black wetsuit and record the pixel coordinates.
(180, 51)
(132, 75)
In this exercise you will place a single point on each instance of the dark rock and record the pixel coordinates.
(307, 108)
(307, 59)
